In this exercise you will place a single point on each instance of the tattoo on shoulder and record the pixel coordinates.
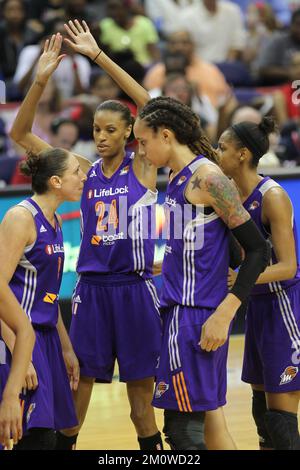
(227, 202)
(196, 183)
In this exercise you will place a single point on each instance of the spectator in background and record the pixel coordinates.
(166, 14)
(217, 29)
(177, 86)
(206, 76)
(42, 11)
(45, 11)
(15, 33)
(49, 108)
(279, 61)
(71, 77)
(261, 23)
(103, 87)
(280, 8)
(123, 30)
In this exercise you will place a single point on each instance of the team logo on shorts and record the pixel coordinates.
(181, 180)
(29, 412)
(161, 388)
(96, 240)
(288, 375)
(253, 206)
(50, 298)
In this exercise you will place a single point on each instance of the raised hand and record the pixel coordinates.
(50, 58)
(83, 41)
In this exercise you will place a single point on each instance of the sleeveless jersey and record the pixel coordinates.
(37, 279)
(196, 260)
(253, 205)
(117, 214)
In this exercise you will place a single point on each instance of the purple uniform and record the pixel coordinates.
(116, 223)
(272, 345)
(115, 305)
(195, 271)
(5, 359)
(36, 284)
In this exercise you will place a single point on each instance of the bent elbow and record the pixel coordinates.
(291, 272)
(13, 135)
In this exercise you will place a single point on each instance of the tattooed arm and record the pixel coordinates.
(211, 187)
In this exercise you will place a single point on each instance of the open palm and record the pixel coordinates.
(50, 58)
(83, 41)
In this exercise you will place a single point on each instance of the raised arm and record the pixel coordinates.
(83, 42)
(21, 131)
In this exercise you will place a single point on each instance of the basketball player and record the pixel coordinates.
(12, 379)
(31, 257)
(197, 310)
(271, 358)
(115, 312)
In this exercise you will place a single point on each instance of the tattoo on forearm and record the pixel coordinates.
(227, 202)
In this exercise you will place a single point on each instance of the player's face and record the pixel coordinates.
(151, 144)
(72, 181)
(110, 133)
(228, 155)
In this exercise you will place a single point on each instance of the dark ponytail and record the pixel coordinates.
(255, 137)
(42, 166)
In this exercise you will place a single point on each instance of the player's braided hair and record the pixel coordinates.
(178, 117)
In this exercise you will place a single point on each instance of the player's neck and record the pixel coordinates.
(110, 165)
(246, 182)
(181, 157)
(48, 203)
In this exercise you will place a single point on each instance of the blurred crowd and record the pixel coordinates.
(230, 60)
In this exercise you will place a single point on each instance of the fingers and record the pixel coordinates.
(70, 43)
(34, 381)
(14, 432)
(86, 28)
(70, 33)
(51, 43)
(5, 434)
(76, 376)
(60, 58)
(73, 28)
(46, 45)
(79, 27)
(208, 343)
(31, 381)
(57, 42)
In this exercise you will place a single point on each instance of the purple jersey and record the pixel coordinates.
(36, 281)
(116, 223)
(253, 205)
(196, 257)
